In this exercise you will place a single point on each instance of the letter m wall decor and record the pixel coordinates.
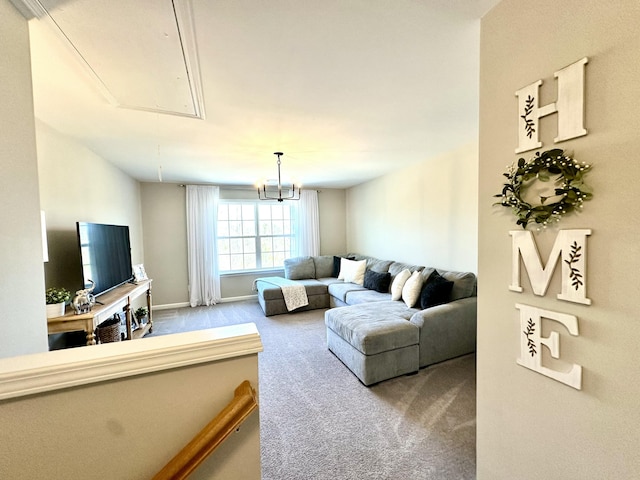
(570, 245)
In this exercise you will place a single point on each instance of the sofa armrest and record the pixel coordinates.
(447, 331)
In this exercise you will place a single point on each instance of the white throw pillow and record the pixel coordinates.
(412, 288)
(352, 270)
(398, 283)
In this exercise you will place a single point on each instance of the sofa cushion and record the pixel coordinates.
(314, 287)
(398, 282)
(356, 297)
(268, 291)
(299, 268)
(373, 263)
(339, 290)
(425, 272)
(411, 289)
(376, 265)
(464, 284)
(377, 281)
(436, 291)
(397, 267)
(324, 266)
(352, 270)
(374, 328)
(328, 280)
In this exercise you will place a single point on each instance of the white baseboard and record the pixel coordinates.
(169, 306)
(238, 299)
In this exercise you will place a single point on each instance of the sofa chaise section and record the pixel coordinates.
(314, 273)
(272, 301)
(375, 341)
(446, 331)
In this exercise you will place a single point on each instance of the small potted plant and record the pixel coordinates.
(56, 298)
(141, 315)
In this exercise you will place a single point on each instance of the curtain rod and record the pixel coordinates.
(230, 187)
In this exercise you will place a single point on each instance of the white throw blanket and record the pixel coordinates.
(295, 295)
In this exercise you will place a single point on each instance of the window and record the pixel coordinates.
(254, 235)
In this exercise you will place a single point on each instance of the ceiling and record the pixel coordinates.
(204, 91)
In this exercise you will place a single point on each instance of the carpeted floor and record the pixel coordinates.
(319, 422)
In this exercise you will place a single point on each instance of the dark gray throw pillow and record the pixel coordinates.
(336, 266)
(377, 281)
(436, 291)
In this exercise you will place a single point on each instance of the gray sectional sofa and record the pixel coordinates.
(376, 337)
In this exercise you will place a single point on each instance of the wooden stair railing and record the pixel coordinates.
(210, 437)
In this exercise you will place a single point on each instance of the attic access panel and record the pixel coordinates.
(141, 54)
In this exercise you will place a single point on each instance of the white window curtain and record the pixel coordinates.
(308, 223)
(202, 216)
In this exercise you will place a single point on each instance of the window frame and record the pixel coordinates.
(256, 204)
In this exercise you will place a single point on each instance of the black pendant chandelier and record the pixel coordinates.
(270, 190)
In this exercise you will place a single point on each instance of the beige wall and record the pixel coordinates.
(165, 239)
(529, 426)
(424, 214)
(78, 185)
(22, 311)
(129, 428)
(333, 221)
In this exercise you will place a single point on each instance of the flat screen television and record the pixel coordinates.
(105, 255)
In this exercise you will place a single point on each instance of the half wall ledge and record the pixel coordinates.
(48, 371)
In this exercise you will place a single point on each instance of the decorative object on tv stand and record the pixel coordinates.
(56, 299)
(272, 190)
(141, 315)
(109, 330)
(84, 300)
(569, 194)
(139, 273)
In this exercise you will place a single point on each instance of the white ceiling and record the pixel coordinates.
(347, 89)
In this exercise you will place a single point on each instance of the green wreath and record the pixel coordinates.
(571, 190)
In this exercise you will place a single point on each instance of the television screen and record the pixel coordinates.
(105, 254)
